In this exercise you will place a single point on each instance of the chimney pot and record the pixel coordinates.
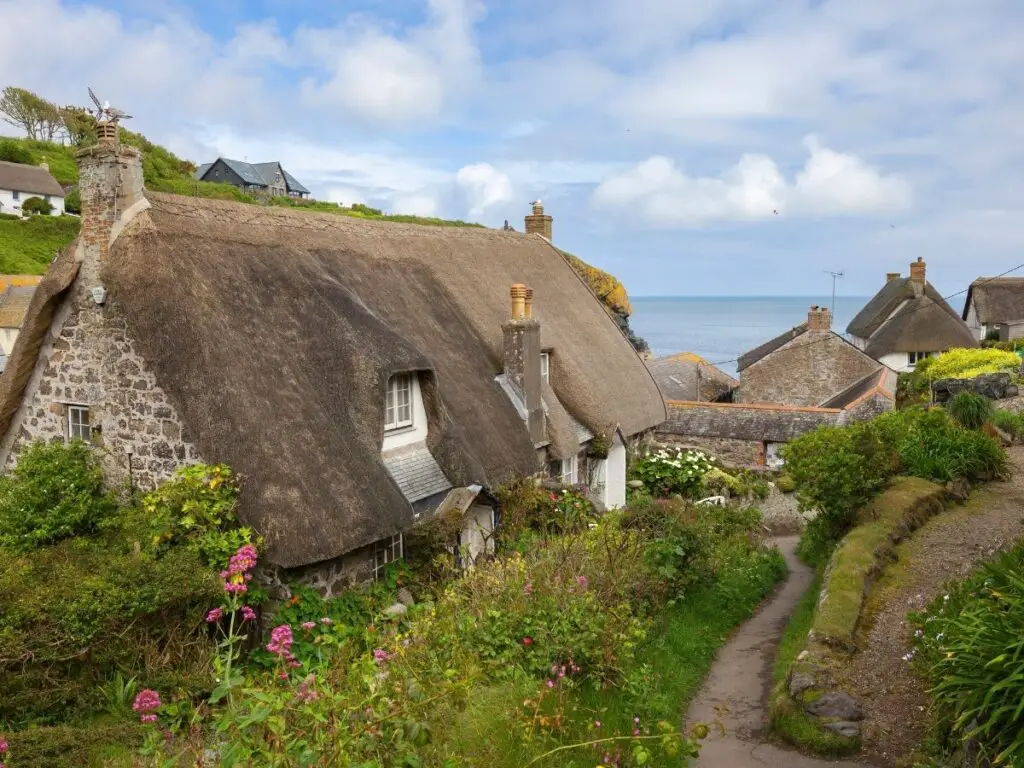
(917, 270)
(106, 132)
(538, 222)
(890, 276)
(819, 319)
(518, 295)
(528, 304)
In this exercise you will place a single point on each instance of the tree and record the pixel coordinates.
(73, 202)
(79, 125)
(37, 205)
(39, 118)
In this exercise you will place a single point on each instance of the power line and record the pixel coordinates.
(916, 309)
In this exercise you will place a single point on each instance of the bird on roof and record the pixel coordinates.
(106, 112)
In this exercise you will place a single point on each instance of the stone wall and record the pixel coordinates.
(729, 451)
(806, 372)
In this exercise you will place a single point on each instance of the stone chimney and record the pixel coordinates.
(521, 345)
(917, 270)
(538, 223)
(109, 183)
(890, 276)
(819, 319)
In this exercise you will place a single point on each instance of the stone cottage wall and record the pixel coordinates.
(89, 359)
(729, 451)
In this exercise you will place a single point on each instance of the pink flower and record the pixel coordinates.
(636, 731)
(636, 720)
(326, 620)
(146, 702)
(305, 692)
(561, 671)
(283, 675)
(3, 747)
(528, 589)
(239, 570)
(597, 723)
(380, 655)
(214, 615)
(281, 642)
(551, 683)
(248, 614)
(582, 581)
(308, 625)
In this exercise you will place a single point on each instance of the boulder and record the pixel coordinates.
(396, 610)
(959, 489)
(844, 728)
(800, 682)
(405, 597)
(994, 386)
(837, 704)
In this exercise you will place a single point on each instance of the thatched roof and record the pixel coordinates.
(14, 303)
(31, 179)
(676, 376)
(904, 317)
(996, 300)
(740, 421)
(275, 332)
(757, 353)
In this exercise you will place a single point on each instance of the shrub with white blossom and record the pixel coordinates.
(667, 471)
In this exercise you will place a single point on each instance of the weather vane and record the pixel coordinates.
(105, 112)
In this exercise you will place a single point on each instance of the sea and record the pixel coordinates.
(721, 328)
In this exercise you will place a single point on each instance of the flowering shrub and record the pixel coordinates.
(55, 491)
(668, 471)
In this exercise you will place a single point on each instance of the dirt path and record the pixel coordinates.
(947, 547)
(736, 692)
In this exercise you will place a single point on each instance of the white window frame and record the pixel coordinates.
(545, 366)
(77, 427)
(385, 552)
(567, 472)
(400, 385)
(913, 358)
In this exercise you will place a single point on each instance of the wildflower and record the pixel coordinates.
(308, 625)
(326, 620)
(380, 655)
(636, 731)
(305, 692)
(597, 723)
(3, 747)
(636, 721)
(561, 671)
(239, 570)
(248, 614)
(550, 683)
(146, 703)
(214, 615)
(527, 640)
(582, 581)
(281, 641)
(528, 589)
(283, 675)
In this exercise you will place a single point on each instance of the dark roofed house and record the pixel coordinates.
(19, 182)
(269, 178)
(804, 378)
(686, 376)
(994, 308)
(402, 369)
(908, 320)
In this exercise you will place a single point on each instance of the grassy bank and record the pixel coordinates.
(27, 246)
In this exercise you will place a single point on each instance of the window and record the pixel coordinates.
(78, 423)
(16, 195)
(398, 410)
(914, 357)
(386, 551)
(563, 470)
(46, 198)
(545, 365)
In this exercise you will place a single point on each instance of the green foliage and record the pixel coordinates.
(668, 471)
(1010, 422)
(73, 202)
(12, 151)
(197, 508)
(529, 510)
(360, 211)
(970, 646)
(785, 483)
(55, 491)
(37, 205)
(28, 245)
(959, 364)
(96, 745)
(969, 409)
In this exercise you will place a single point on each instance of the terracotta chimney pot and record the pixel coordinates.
(518, 294)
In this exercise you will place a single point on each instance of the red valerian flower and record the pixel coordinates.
(146, 703)
(527, 640)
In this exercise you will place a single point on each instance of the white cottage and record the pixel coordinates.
(19, 182)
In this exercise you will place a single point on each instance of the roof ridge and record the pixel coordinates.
(758, 406)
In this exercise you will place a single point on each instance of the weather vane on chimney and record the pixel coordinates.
(107, 113)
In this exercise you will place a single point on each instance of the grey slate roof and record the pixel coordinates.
(416, 472)
(261, 174)
(676, 377)
(877, 379)
(749, 358)
(267, 171)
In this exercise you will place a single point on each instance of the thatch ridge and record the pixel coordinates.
(996, 300)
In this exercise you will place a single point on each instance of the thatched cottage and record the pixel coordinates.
(804, 378)
(360, 375)
(908, 320)
(994, 308)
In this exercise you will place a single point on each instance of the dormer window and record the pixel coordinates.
(398, 410)
(545, 366)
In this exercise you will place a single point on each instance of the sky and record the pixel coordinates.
(697, 147)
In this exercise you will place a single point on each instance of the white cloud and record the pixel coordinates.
(830, 183)
(423, 203)
(484, 186)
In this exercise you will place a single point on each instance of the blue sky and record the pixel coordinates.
(707, 147)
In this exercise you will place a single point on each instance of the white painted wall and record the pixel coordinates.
(9, 205)
(7, 338)
(477, 537)
(898, 361)
(858, 342)
(614, 494)
(417, 433)
(972, 322)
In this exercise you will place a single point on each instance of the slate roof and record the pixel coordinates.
(261, 174)
(996, 300)
(676, 377)
(740, 421)
(416, 472)
(882, 381)
(31, 179)
(757, 353)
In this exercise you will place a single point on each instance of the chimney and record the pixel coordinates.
(890, 276)
(521, 343)
(917, 270)
(538, 223)
(819, 319)
(109, 182)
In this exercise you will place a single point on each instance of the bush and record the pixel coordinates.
(931, 446)
(73, 201)
(55, 491)
(1008, 421)
(959, 364)
(37, 205)
(785, 483)
(969, 646)
(12, 151)
(668, 471)
(969, 409)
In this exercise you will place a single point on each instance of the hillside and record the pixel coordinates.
(27, 247)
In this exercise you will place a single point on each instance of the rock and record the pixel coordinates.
(835, 704)
(800, 682)
(396, 610)
(803, 655)
(635, 483)
(958, 489)
(405, 598)
(994, 386)
(844, 728)
(1004, 437)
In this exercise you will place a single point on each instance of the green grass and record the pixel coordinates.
(855, 558)
(27, 246)
(799, 729)
(795, 637)
(92, 745)
(676, 658)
